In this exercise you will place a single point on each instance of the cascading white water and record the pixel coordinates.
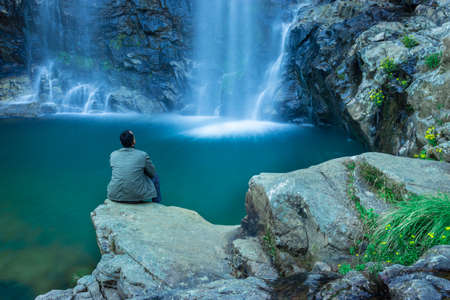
(273, 76)
(59, 38)
(236, 43)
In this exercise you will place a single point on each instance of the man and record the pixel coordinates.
(134, 176)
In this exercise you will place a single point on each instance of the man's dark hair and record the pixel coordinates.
(127, 138)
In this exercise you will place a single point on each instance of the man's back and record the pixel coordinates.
(131, 173)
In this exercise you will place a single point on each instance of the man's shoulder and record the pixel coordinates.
(128, 151)
(140, 152)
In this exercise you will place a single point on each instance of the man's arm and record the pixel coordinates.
(149, 169)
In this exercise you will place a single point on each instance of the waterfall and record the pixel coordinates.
(235, 44)
(273, 77)
(59, 39)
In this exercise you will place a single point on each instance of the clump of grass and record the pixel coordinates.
(409, 41)
(269, 244)
(433, 60)
(386, 189)
(388, 66)
(411, 228)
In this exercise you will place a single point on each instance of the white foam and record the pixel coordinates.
(236, 128)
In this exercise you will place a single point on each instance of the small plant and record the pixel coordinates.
(402, 82)
(386, 189)
(409, 41)
(269, 244)
(431, 135)
(388, 66)
(377, 96)
(344, 269)
(433, 60)
(422, 155)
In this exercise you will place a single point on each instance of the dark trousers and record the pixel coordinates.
(155, 180)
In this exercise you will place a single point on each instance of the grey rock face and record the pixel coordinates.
(249, 259)
(421, 280)
(335, 51)
(12, 39)
(13, 87)
(310, 214)
(125, 100)
(153, 251)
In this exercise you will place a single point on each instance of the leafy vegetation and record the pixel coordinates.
(409, 41)
(431, 136)
(377, 96)
(414, 224)
(269, 244)
(388, 66)
(433, 60)
(411, 228)
(385, 188)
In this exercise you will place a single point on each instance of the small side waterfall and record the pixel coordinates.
(236, 42)
(273, 77)
(59, 39)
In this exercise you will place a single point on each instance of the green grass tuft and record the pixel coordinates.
(411, 228)
(433, 60)
(409, 41)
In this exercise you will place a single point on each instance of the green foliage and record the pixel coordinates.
(386, 189)
(344, 269)
(411, 228)
(360, 267)
(402, 82)
(377, 96)
(367, 216)
(433, 60)
(431, 136)
(78, 61)
(388, 66)
(409, 41)
(78, 273)
(375, 268)
(269, 244)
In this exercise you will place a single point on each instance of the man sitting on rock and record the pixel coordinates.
(134, 176)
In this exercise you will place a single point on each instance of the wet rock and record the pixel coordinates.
(320, 266)
(423, 280)
(249, 259)
(12, 37)
(354, 285)
(125, 100)
(15, 88)
(250, 288)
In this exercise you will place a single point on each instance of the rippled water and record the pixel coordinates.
(54, 172)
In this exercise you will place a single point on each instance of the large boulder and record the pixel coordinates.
(151, 250)
(126, 100)
(307, 215)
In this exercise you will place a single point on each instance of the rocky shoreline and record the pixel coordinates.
(299, 226)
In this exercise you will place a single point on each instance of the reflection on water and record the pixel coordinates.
(30, 265)
(54, 172)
